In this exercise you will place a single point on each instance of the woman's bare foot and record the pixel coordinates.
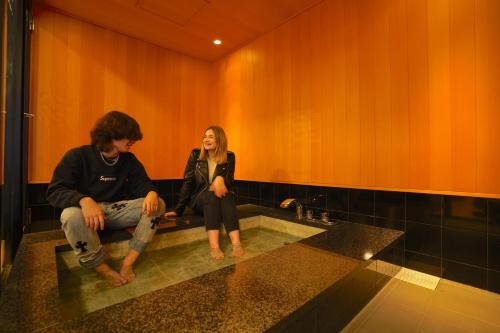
(127, 272)
(216, 253)
(113, 278)
(237, 251)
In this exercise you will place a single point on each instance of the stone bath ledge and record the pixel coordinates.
(267, 292)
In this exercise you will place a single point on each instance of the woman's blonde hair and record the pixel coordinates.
(221, 142)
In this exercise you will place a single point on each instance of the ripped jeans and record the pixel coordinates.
(118, 215)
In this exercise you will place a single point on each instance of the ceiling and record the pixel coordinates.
(186, 26)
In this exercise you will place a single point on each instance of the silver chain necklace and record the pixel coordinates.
(112, 161)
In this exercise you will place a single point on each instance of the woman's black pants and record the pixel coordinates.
(216, 210)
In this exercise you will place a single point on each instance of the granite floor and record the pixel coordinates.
(452, 307)
(82, 291)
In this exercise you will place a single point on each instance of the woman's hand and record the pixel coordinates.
(219, 187)
(170, 214)
(150, 204)
(92, 213)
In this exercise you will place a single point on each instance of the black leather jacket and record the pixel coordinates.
(196, 178)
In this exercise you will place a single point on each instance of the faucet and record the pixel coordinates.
(298, 206)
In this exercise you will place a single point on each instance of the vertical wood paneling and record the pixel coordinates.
(399, 161)
(334, 109)
(386, 93)
(381, 97)
(487, 92)
(80, 71)
(366, 11)
(463, 92)
(418, 96)
(353, 156)
(440, 113)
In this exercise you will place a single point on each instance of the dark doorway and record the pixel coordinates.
(15, 120)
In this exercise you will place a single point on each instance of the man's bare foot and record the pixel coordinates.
(216, 253)
(113, 278)
(237, 251)
(127, 272)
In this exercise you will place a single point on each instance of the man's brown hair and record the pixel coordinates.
(114, 125)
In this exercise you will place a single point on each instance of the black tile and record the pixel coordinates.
(298, 192)
(170, 201)
(393, 255)
(361, 202)
(281, 192)
(164, 186)
(471, 275)
(423, 263)
(337, 199)
(335, 215)
(242, 200)
(389, 224)
(494, 281)
(37, 194)
(494, 216)
(254, 190)
(242, 188)
(423, 238)
(254, 201)
(267, 192)
(423, 208)
(176, 185)
(464, 246)
(268, 203)
(363, 219)
(465, 213)
(41, 212)
(400, 243)
(44, 225)
(494, 252)
(316, 197)
(175, 198)
(390, 205)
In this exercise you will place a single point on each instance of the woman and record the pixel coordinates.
(208, 178)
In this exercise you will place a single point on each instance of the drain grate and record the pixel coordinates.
(418, 278)
(404, 274)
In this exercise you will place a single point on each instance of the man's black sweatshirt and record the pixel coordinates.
(83, 173)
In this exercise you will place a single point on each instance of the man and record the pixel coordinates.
(94, 184)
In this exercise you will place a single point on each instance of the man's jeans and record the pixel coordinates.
(118, 215)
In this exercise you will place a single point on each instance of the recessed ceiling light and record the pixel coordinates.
(217, 41)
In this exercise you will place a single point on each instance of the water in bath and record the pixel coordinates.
(82, 291)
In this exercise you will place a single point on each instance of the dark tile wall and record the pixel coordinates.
(45, 217)
(457, 238)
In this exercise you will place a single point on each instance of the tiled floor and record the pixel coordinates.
(452, 307)
(82, 291)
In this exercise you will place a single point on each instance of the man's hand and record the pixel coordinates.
(92, 214)
(150, 204)
(219, 187)
(170, 214)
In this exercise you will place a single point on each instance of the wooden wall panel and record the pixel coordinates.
(393, 94)
(418, 96)
(440, 111)
(399, 111)
(463, 93)
(81, 71)
(487, 94)
(366, 12)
